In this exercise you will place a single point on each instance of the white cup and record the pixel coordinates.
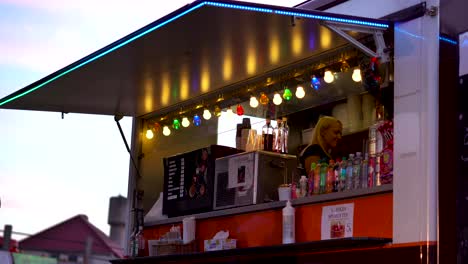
(284, 193)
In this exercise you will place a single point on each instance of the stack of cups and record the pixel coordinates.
(188, 226)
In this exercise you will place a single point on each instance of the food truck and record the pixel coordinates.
(213, 72)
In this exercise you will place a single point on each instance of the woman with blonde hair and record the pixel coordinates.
(325, 137)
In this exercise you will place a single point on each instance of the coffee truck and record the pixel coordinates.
(217, 55)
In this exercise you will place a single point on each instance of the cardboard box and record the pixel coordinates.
(220, 244)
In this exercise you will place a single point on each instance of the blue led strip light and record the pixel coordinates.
(334, 19)
(448, 40)
(104, 53)
(257, 9)
(297, 14)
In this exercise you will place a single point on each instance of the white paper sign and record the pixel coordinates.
(240, 171)
(337, 221)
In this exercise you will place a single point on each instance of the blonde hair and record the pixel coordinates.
(323, 124)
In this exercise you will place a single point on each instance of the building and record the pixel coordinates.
(69, 240)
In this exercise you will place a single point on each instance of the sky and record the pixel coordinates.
(52, 169)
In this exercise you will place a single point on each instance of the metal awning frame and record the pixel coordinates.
(381, 49)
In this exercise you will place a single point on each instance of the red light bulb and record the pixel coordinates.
(240, 110)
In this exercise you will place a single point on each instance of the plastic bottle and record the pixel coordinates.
(357, 170)
(336, 177)
(349, 172)
(267, 135)
(330, 176)
(284, 135)
(343, 164)
(303, 186)
(277, 136)
(311, 179)
(289, 229)
(364, 171)
(323, 176)
(317, 179)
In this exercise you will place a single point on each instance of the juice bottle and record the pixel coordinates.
(323, 176)
(349, 172)
(311, 177)
(342, 184)
(330, 176)
(357, 170)
(317, 178)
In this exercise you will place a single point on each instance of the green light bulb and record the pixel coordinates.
(176, 124)
(287, 95)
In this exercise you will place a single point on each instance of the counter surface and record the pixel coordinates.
(279, 204)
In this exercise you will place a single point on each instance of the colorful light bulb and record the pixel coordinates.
(176, 124)
(196, 120)
(264, 99)
(287, 95)
(315, 82)
(239, 110)
(217, 111)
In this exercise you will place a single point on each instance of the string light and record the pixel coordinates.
(328, 77)
(287, 95)
(356, 75)
(196, 120)
(176, 124)
(229, 113)
(239, 110)
(315, 82)
(217, 111)
(166, 131)
(277, 100)
(185, 122)
(300, 93)
(206, 114)
(264, 99)
(253, 101)
(149, 133)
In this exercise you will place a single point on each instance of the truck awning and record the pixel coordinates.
(197, 49)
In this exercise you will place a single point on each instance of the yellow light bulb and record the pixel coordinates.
(253, 101)
(277, 100)
(206, 114)
(356, 75)
(328, 77)
(149, 134)
(166, 131)
(185, 122)
(300, 93)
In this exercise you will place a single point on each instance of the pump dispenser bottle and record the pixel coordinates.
(289, 228)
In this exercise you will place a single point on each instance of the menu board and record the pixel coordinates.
(176, 178)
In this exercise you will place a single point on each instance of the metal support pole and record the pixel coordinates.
(7, 237)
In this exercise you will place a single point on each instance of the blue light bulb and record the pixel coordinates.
(315, 82)
(196, 120)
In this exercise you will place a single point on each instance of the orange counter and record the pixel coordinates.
(372, 218)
